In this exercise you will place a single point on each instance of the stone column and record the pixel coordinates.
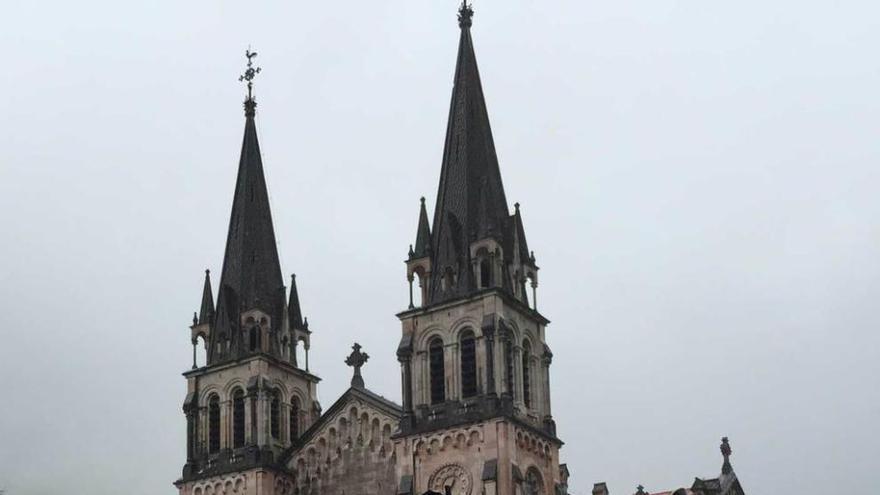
(421, 367)
(547, 387)
(405, 360)
(225, 423)
(517, 373)
(190, 435)
(489, 334)
(202, 432)
(263, 417)
(454, 391)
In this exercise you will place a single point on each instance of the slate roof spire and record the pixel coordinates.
(294, 311)
(423, 234)
(206, 312)
(471, 204)
(251, 275)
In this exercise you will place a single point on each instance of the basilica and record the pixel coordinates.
(475, 416)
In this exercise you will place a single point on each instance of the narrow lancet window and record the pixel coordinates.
(214, 424)
(275, 415)
(238, 419)
(438, 371)
(294, 419)
(468, 365)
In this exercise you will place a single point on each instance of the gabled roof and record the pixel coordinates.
(352, 394)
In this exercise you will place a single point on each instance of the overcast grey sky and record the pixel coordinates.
(699, 181)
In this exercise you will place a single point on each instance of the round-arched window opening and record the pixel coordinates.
(534, 484)
(437, 371)
(468, 364)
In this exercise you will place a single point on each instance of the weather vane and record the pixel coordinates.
(250, 72)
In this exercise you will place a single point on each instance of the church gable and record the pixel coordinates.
(349, 449)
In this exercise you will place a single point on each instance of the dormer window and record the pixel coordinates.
(254, 338)
(485, 273)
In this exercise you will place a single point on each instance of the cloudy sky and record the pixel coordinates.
(699, 181)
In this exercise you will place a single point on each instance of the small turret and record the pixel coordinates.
(206, 312)
(423, 234)
(294, 312)
(419, 262)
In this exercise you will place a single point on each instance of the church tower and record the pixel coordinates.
(252, 399)
(475, 365)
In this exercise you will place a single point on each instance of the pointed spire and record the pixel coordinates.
(471, 204)
(294, 311)
(251, 275)
(206, 312)
(423, 234)
(524, 253)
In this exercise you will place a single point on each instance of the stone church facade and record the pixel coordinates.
(476, 415)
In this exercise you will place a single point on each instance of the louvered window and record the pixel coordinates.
(238, 419)
(214, 424)
(438, 372)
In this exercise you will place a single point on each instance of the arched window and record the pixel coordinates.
(526, 380)
(294, 419)
(485, 274)
(437, 369)
(201, 345)
(238, 418)
(214, 424)
(468, 364)
(275, 414)
(533, 485)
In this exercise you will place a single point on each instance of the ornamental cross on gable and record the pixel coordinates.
(250, 72)
(356, 360)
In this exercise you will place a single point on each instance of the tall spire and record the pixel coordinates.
(471, 204)
(206, 312)
(251, 276)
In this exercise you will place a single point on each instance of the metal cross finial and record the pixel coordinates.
(250, 72)
(356, 360)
